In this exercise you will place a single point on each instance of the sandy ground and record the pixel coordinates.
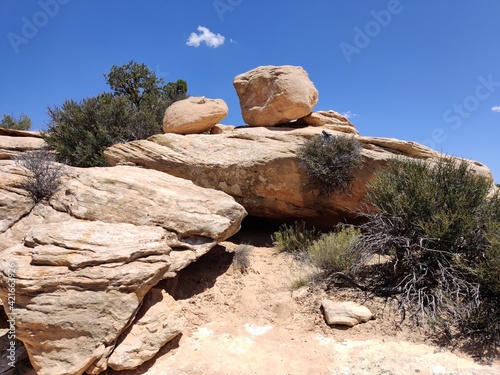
(254, 323)
(243, 323)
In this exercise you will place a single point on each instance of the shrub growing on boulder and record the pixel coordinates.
(81, 131)
(329, 161)
(44, 173)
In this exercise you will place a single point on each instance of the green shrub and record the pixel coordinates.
(330, 162)
(488, 269)
(23, 122)
(332, 252)
(295, 238)
(81, 131)
(439, 226)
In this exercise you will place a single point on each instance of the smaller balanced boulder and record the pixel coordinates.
(272, 95)
(194, 115)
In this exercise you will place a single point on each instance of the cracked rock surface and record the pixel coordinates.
(85, 260)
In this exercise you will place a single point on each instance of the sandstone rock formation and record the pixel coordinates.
(85, 260)
(345, 313)
(271, 95)
(159, 320)
(14, 141)
(194, 115)
(259, 167)
(329, 119)
(220, 128)
(15, 202)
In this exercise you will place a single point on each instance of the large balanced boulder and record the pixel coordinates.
(271, 95)
(194, 115)
(260, 168)
(84, 261)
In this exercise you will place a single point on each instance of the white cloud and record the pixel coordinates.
(205, 36)
(496, 108)
(348, 114)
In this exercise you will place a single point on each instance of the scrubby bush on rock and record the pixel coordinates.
(44, 173)
(81, 131)
(329, 161)
(439, 227)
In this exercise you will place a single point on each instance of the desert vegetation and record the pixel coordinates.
(331, 252)
(22, 122)
(44, 173)
(437, 229)
(241, 257)
(81, 131)
(295, 238)
(330, 161)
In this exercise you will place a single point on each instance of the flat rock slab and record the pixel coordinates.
(259, 167)
(11, 144)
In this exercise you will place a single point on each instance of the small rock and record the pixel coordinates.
(345, 313)
(221, 129)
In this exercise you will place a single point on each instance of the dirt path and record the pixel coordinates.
(253, 323)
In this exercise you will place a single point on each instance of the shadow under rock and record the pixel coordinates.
(198, 276)
(256, 231)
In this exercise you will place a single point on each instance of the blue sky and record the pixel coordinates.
(421, 70)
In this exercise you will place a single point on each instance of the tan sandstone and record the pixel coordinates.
(15, 202)
(84, 260)
(259, 167)
(345, 313)
(330, 120)
(159, 320)
(194, 115)
(10, 145)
